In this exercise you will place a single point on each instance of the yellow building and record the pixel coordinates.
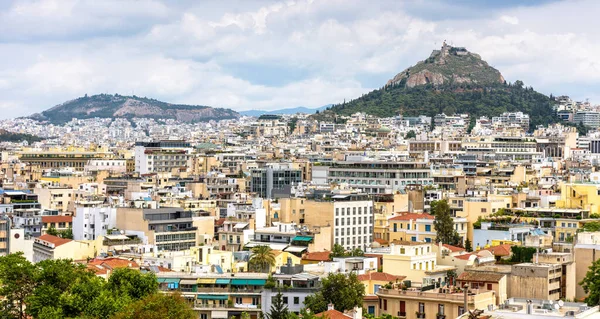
(580, 196)
(417, 261)
(52, 247)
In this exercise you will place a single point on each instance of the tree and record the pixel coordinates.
(468, 245)
(410, 134)
(262, 258)
(279, 309)
(337, 251)
(344, 292)
(56, 277)
(591, 226)
(158, 306)
(132, 283)
(356, 252)
(17, 278)
(591, 284)
(444, 225)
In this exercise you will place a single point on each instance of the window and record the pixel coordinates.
(421, 307)
(427, 227)
(402, 251)
(461, 310)
(371, 310)
(296, 300)
(285, 300)
(384, 304)
(489, 286)
(395, 227)
(238, 300)
(441, 309)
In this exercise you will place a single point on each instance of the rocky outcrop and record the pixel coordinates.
(450, 65)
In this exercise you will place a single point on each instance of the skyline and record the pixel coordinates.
(272, 55)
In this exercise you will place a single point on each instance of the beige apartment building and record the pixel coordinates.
(586, 251)
(437, 303)
(54, 197)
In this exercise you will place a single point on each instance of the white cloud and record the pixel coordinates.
(190, 52)
(510, 20)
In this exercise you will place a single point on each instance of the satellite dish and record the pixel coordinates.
(556, 306)
(561, 303)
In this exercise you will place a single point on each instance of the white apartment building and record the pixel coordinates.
(376, 177)
(588, 118)
(163, 156)
(111, 165)
(93, 219)
(512, 119)
(353, 226)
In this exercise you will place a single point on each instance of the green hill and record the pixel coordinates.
(451, 80)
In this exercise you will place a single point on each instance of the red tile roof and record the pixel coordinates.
(57, 241)
(317, 256)
(453, 248)
(220, 221)
(380, 241)
(57, 219)
(464, 256)
(380, 276)
(333, 314)
(500, 250)
(409, 216)
(113, 263)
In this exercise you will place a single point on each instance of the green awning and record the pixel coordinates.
(239, 282)
(168, 280)
(213, 297)
(302, 238)
(256, 282)
(222, 281)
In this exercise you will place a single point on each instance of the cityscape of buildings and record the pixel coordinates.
(192, 201)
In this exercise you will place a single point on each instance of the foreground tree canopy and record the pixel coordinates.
(344, 292)
(53, 289)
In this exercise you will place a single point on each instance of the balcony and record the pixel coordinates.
(420, 315)
(439, 316)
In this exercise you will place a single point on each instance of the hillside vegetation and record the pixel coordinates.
(113, 106)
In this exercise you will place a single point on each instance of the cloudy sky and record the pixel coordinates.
(250, 54)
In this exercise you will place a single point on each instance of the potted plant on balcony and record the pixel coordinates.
(229, 303)
(420, 314)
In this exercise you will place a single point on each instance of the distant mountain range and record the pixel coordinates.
(451, 80)
(120, 106)
(294, 110)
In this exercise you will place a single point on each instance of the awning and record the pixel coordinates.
(302, 238)
(188, 281)
(248, 282)
(213, 297)
(256, 282)
(116, 237)
(240, 225)
(222, 281)
(206, 280)
(273, 246)
(295, 249)
(239, 282)
(168, 280)
(217, 314)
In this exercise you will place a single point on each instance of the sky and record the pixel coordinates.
(253, 54)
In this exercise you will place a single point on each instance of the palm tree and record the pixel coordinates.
(262, 258)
